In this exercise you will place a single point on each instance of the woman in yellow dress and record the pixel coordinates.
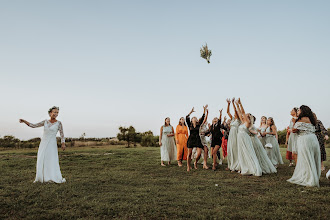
(181, 137)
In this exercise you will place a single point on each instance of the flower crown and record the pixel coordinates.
(52, 108)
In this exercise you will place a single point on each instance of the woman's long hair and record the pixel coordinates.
(165, 121)
(184, 123)
(272, 123)
(261, 120)
(305, 111)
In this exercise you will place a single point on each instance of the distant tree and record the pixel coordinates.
(9, 141)
(128, 134)
(82, 136)
(281, 136)
(149, 140)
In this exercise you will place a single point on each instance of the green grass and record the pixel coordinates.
(130, 183)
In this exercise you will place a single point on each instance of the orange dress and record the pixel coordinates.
(181, 135)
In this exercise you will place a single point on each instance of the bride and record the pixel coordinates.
(48, 168)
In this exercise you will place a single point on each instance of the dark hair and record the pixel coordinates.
(184, 123)
(254, 119)
(52, 108)
(305, 111)
(165, 121)
(273, 123)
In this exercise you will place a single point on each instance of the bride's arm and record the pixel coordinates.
(62, 135)
(40, 124)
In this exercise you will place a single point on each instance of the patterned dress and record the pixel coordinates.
(320, 132)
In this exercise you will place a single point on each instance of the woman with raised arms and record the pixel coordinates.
(232, 149)
(202, 130)
(48, 168)
(248, 161)
(194, 139)
(216, 139)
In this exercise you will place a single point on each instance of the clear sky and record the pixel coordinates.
(112, 63)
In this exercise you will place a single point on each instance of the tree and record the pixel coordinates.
(149, 140)
(129, 135)
(281, 136)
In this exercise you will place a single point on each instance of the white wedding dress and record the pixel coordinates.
(48, 168)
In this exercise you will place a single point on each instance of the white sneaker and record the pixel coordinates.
(328, 174)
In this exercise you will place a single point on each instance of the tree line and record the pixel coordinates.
(126, 135)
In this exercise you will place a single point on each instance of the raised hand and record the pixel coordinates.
(233, 100)
(21, 120)
(228, 101)
(220, 111)
(192, 110)
(205, 107)
(239, 101)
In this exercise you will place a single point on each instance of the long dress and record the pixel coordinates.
(232, 150)
(202, 131)
(320, 132)
(262, 138)
(273, 152)
(248, 161)
(265, 163)
(48, 167)
(308, 167)
(291, 142)
(168, 148)
(181, 135)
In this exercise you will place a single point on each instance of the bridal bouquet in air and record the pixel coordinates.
(206, 53)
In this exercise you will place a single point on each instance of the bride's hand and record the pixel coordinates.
(63, 146)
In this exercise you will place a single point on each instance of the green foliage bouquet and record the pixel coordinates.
(206, 53)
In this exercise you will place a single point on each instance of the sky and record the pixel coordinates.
(119, 63)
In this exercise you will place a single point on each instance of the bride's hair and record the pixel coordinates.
(52, 108)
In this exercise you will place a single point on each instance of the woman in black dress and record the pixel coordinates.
(322, 135)
(216, 139)
(194, 139)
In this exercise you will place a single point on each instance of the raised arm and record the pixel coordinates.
(40, 124)
(239, 114)
(188, 117)
(236, 113)
(205, 119)
(228, 109)
(203, 116)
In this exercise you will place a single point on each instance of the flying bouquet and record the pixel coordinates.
(206, 53)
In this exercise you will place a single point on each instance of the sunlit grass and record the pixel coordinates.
(114, 181)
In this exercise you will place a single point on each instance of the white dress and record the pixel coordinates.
(273, 153)
(168, 148)
(308, 167)
(265, 163)
(247, 159)
(232, 150)
(48, 167)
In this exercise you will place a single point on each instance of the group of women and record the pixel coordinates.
(249, 150)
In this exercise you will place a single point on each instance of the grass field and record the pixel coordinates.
(117, 182)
